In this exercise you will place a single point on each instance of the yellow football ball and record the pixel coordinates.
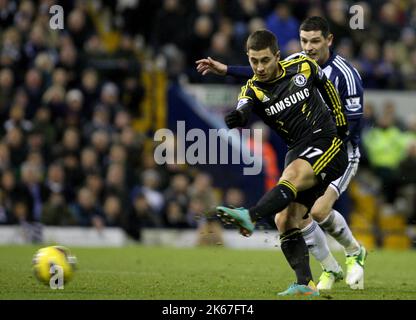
(54, 264)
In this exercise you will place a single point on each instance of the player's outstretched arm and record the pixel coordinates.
(209, 65)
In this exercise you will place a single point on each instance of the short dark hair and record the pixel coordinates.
(316, 23)
(262, 39)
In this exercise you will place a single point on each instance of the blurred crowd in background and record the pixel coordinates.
(69, 154)
(384, 52)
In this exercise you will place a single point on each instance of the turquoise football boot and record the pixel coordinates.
(295, 289)
(237, 216)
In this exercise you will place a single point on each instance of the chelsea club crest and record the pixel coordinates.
(299, 80)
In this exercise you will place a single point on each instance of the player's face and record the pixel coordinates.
(315, 45)
(264, 63)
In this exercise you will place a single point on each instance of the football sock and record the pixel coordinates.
(274, 201)
(337, 227)
(318, 246)
(296, 252)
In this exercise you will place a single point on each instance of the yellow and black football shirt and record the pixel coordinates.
(293, 104)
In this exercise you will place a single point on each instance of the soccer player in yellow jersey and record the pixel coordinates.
(286, 95)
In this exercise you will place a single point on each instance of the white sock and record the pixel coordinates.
(316, 241)
(337, 227)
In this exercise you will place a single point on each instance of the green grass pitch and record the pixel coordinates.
(137, 272)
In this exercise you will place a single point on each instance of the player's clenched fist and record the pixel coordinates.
(235, 119)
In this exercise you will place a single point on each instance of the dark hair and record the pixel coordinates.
(262, 39)
(316, 24)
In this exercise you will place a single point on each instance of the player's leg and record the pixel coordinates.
(303, 165)
(298, 175)
(295, 250)
(334, 223)
(315, 240)
(317, 244)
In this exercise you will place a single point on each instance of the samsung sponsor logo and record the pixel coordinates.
(287, 102)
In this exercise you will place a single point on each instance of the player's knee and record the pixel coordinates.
(320, 213)
(280, 221)
(299, 175)
(305, 222)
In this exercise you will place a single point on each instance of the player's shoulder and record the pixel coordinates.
(295, 55)
(299, 58)
(344, 67)
(247, 88)
(295, 58)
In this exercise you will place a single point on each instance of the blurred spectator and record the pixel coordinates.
(132, 95)
(171, 16)
(86, 211)
(284, 25)
(42, 123)
(75, 105)
(100, 121)
(202, 198)
(267, 154)
(7, 10)
(338, 20)
(219, 50)
(199, 41)
(4, 157)
(78, 28)
(8, 187)
(141, 216)
(113, 213)
(234, 197)
(390, 111)
(149, 188)
(6, 91)
(90, 90)
(100, 141)
(56, 184)
(122, 119)
(56, 212)
(31, 191)
(377, 141)
(178, 191)
(33, 88)
(109, 99)
(17, 145)
(389, 22)
(4, 214)
(95, 183)
(175, 215)
(54, 100)
(115, 182)
(406, 180)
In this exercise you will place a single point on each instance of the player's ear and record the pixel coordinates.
(277, 55)
(330, 39)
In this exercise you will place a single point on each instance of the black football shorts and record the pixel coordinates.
(329, 159)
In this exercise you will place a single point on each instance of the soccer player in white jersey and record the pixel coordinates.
(316, 40)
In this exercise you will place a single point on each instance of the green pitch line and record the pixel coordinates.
(138, 272)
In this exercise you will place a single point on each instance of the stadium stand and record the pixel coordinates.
(79, 108)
